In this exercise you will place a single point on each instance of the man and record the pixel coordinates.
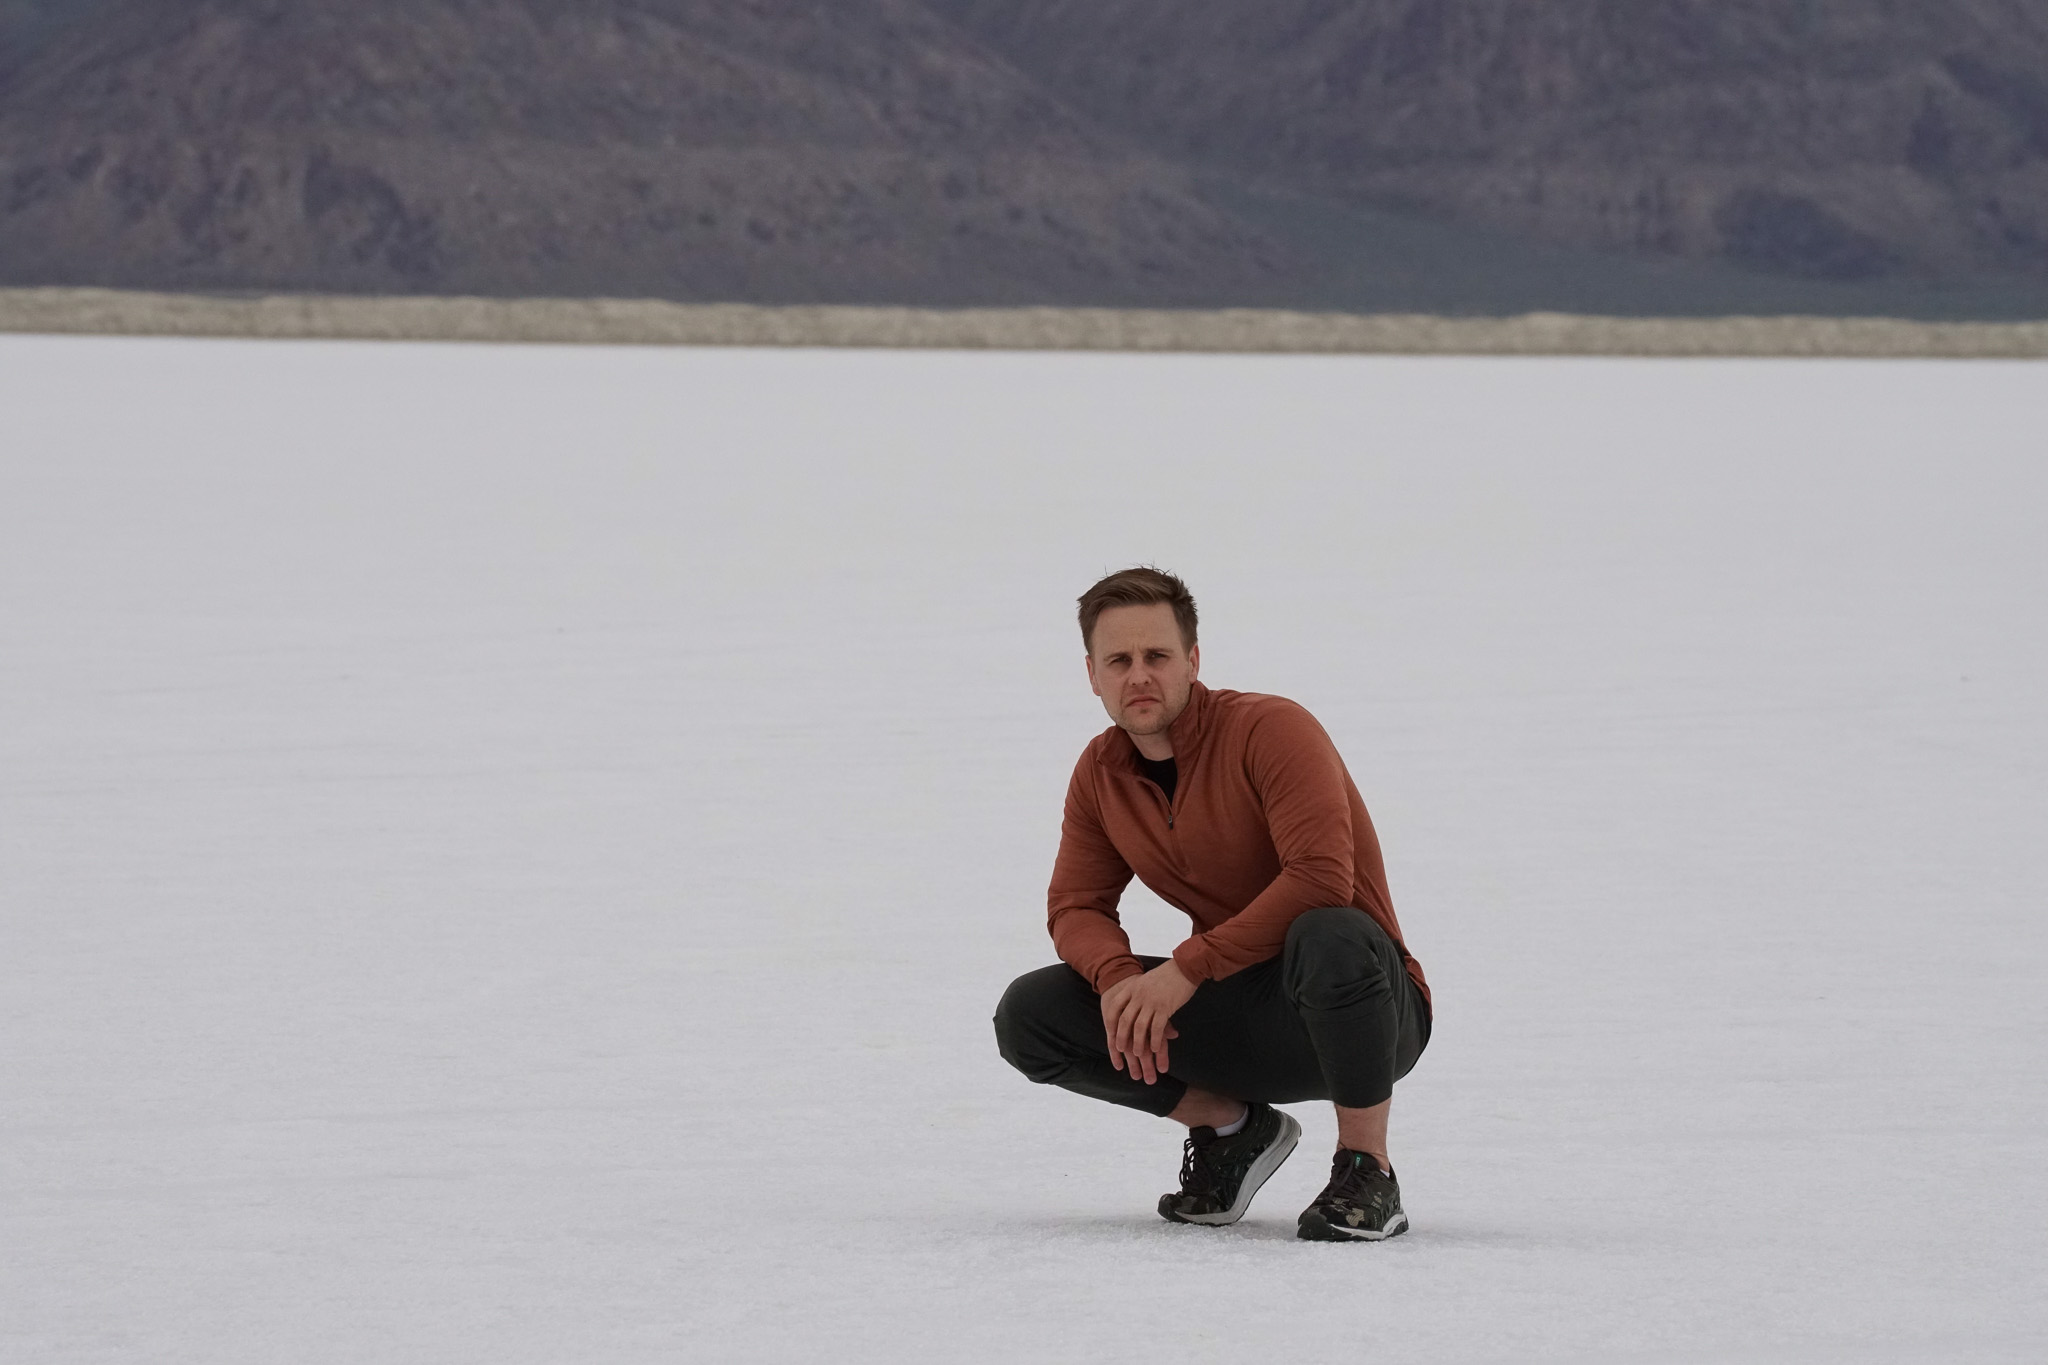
(1295, 985)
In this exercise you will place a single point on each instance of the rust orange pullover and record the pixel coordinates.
(1265, 823)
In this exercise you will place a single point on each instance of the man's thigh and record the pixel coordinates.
(1241, 1037)
(1054, 1012)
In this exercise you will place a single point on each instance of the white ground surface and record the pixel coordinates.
(508, 855)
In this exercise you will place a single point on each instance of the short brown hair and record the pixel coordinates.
(1139, 587)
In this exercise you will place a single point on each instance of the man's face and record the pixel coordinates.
(1140, 668)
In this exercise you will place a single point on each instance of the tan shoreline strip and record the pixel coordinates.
(658, 323)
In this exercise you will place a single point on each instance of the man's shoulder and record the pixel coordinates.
(1250, 708)
(1254, 723)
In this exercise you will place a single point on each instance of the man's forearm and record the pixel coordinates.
(1259, 931)
(1095, 945)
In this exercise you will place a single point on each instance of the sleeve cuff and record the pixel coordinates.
(1122, 969)
(1192, 957)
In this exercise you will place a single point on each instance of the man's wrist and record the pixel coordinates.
(1123, 969)
(1190, 958)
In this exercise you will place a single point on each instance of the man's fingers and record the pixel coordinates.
(1131, 1026)
(1151, 1039)
(1112, 1011)
(1137, 1031)
(1121, 1039)
(1125, 1019)
(1109, 1030)
(1152, 1044)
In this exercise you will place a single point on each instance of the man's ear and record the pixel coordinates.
(1093, 685)
(1195, 662)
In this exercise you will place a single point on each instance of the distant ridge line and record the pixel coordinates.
(655, 322)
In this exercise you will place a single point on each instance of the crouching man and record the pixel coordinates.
(1295, 985)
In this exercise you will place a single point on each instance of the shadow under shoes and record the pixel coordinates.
(1219, 1175)
(1362, 1203)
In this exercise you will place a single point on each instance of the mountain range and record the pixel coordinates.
(1453, 155)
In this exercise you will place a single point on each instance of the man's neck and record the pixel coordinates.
(1158, 747)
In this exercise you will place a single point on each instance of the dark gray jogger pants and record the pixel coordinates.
(1334, 1017)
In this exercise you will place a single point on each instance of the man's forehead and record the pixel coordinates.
(1132, 627)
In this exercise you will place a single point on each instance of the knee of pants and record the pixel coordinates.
(1021, 1035)
(1331, 959)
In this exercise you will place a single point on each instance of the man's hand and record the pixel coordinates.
(1137, 1015)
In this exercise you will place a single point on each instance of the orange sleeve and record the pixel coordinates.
(1300, 781)
(1088, 878)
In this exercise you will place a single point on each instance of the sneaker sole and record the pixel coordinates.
(1316, 1228)
(1261, 1171)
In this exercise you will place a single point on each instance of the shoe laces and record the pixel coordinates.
(1198, 1175)
(1352, 1174)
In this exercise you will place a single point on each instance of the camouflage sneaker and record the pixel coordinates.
(1362, 1203)
(1219, 1175)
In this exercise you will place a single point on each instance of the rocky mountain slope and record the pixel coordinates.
(1838, 139)
(689, 148)
(1456, 155)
